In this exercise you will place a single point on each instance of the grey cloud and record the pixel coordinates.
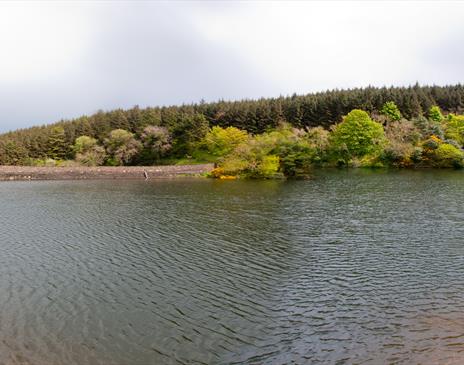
(146, 55)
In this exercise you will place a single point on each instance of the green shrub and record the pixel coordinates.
(249, 159)
(42, 162)
(391, 111)
(94, 157)
(416, 155)
(435, 114)
(122, 147)
(318, 139)
(251, 165)
(297, 149)
(296, 159)
(403, 131)
(269, 166)
(447, 155)
(398, 154)
(88, 152)
(428, 127)
(402, 135)
(84, 144)
(432, 143)
(50, 162)
(454, 128)
(282, 151)
(234, 165)
(370, 161)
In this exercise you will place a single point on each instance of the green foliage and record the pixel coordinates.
(50, 162)
(46, 162)
(121, 147)
(251, 164)
(318, 137)
(251, 159)
(358, 135)
(417, 155)
(403, 131)
(236, 165)
(454, 128)
(398, 154)
(435, 114)
(402, 137)
(296, 158)
(57, 146)
(12, 153)
(297, 149)
(390, 110)
(285, 151)
(447, 155)
(84, 144)
(248, 137)
(432, 143)
(221, 141)
(188, 131)
(428, 127)
(94, 157)
(269, 166)
(188, 124)
(88, 152)
(157, 142)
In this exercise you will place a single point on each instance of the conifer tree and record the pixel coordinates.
(57, 146)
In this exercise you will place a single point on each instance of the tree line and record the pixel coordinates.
(360, 140)
(187, 125)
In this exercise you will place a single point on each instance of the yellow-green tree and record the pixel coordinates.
(357, 136)
(435, 114)
(221, 141)
(88, 152)
(454, 128)
(391, 111)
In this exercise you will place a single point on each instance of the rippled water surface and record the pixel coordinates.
(351, 267)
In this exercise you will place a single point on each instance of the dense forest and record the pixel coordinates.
(181, 133)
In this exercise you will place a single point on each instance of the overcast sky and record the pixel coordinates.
(62, 60)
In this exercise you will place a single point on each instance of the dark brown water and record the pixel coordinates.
(352, 267)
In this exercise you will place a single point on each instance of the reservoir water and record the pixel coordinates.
(350, 267)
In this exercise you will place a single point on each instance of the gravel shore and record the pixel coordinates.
(102, 172)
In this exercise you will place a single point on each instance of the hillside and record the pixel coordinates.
(187, 124)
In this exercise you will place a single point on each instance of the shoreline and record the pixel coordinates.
(28, 173)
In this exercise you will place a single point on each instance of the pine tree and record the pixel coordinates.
(57, 146)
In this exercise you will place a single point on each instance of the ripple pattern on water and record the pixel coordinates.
(352, 267)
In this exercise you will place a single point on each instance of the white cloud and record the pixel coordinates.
(41, 40)
(306, 46)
